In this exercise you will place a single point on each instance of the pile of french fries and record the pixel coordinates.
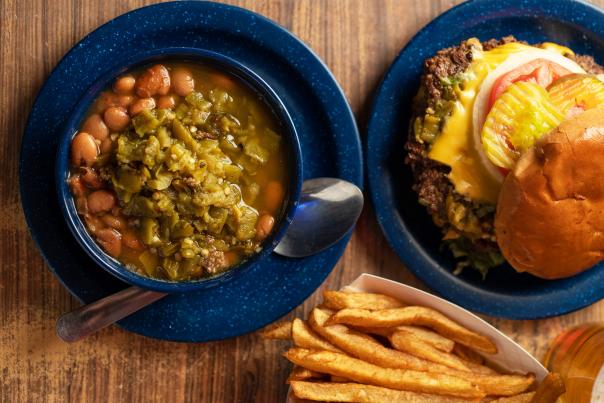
(361, 347)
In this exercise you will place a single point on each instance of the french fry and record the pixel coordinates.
(429, 336)
(549, 389)
(277, 331)
(415, 315)
(409, 343)
(303, 336)
(379, 331)
(480, 369)
(363, 372)
(476, 362)
(426, 335)
(303, 374)
(339, 379)
(440, 360)
(340, 300)
(354, 392)
(521, 398)
(468, 354)
(367, 348)
(503, 385)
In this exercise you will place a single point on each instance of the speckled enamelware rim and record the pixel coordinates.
(323, 120)
(405, 223)
(223, 63)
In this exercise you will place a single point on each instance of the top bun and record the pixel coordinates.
(550, 214)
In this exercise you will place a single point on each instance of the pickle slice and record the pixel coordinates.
(575, 93)
(519, 117)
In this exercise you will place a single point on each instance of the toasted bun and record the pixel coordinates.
(550, 214)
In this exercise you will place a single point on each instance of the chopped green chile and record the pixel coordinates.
(190, 181)
(145, 122)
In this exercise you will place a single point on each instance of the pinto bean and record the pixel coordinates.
(84, 149)
(96, 126)
(110, 240)
(117, 211)
(81, 205)
(94, 223)
(100, 201)
(273, 196)
(106, 145)
(124, 85)
(264, 226)
(76, 185)
(125, 100)
(112, 221)
(182, 81)
(105, 100)
(116, 118)
(90, 178)
(230, 258)
(130, 240)
(223, 81)
(154, 81)
(166, 102)
(138, 106)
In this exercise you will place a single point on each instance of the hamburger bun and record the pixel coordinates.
(550, 214)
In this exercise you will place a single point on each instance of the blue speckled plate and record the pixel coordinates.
(310, 93)
(405, 223)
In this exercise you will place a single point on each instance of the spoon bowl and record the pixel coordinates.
(328, 209)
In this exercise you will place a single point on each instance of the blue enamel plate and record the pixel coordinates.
(323, 120)
(405, 223)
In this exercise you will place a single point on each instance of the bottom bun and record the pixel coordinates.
(550, 213)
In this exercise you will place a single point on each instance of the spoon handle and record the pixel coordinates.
(90, 318)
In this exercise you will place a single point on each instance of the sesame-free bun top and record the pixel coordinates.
(550, 213)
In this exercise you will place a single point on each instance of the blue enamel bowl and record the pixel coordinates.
(406, 224)
(273, 285)
(203, 57)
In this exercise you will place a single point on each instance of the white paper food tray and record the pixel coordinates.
(510, 356)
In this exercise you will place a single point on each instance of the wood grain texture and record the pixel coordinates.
(358, 39)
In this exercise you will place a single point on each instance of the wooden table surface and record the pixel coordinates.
(358, 39)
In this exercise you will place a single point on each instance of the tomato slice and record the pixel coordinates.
(539, 71)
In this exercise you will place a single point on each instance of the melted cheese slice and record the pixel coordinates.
(472, 173)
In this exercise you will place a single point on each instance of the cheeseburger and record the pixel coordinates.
(505, 148)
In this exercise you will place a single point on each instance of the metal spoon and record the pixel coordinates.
(328, 209)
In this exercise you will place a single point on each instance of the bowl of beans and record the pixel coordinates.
(179, 169)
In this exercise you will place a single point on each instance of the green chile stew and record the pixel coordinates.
(178, 171)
